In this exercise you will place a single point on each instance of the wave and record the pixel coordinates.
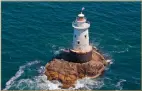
(36, 82)
(40, 82)
(119, 84)
(89, 83)
(18, 74)
(109, 61)
(56, 49)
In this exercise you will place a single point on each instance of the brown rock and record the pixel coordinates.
(68, 72)
(73, 77)
(61, 77)
(81, 75)
(49, 78)
(65, 86)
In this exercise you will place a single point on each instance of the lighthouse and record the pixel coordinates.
(80, 61)
(81, 48)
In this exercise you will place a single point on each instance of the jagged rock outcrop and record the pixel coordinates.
(68, 72)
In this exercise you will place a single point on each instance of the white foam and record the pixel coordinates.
(18, 74)
(88, 84)
(121, 50)
(119, 84)
(109, 61)
(36, 83)
(85, 83)
(58, 50)
(44, 84)
(41, 70)
(41, 82)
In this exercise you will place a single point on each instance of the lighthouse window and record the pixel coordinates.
(85, 36)
(78, 42)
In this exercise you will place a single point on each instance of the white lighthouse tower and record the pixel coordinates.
(81, 34)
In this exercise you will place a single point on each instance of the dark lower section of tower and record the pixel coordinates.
(76, 57)
(80, 57)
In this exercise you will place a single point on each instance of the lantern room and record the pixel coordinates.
(81, 22)
(81, 18)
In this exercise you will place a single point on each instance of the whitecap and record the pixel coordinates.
(119, 84)
(88, 84)
(41, 83)
(121, 51)
(109, 61)
(41, 69)
(18, 74)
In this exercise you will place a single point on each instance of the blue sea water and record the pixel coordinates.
(33, 32)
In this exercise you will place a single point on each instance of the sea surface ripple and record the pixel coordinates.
(33, 32)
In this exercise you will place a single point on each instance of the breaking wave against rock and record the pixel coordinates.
(36, 80)
(18, 74)
(31, 77)
(40, 82)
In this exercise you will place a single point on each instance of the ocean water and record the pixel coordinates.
(33, 32)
